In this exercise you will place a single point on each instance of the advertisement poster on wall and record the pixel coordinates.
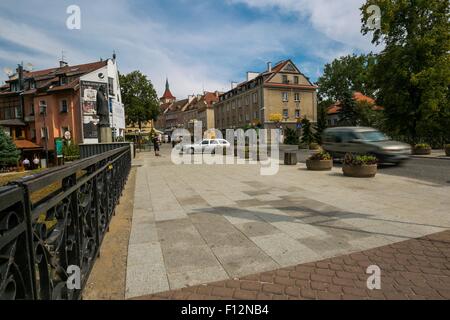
(89, 91)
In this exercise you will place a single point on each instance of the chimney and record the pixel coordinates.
(269, 66)
(233, 85)
(63, 64)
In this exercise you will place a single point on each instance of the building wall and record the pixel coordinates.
(273, 103)
(55, 120)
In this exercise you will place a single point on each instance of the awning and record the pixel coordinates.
(26, 145)
(13, 122)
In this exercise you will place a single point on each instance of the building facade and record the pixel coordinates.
(37, 107)
(282, 90)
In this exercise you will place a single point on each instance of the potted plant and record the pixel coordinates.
(447, 150)
(314, 146)
(321, 161)
(361, 166)
(422, 149)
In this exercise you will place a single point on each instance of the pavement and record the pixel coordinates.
(417, 269)
(197, 224)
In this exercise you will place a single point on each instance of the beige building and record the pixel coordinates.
(282, 89)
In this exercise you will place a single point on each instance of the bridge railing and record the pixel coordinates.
(52, 226)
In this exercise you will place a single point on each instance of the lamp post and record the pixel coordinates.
(44, 113)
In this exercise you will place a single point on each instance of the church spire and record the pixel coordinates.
(167, 96)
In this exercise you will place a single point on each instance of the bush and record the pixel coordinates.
(290, 136)
(447, 146)
(360, 160)
(422, 146)
(71, 152)
(314, 146)
(9, 155)
(323, 155)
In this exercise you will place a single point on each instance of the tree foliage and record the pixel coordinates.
(321, 124)
(140, 98)
(291, 136)
(349, 73)
(307, 132)
(412, 72)
(9, 155)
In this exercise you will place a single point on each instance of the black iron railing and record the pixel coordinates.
(54, 221)
(89, 150)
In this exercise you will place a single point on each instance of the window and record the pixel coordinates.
(255, 98)
(63, 106)
(255, 115)
(285, 113)
(247, 100)
(247, 117)
(111, 86)
(18, 112)
(297, 97)
(295, 79)
(205, 142)
(18, 133)
(240, 117)
(285, 79)
(285, 96)
(44, 133)
(31, 109)
(33, 134)
(42, 107)
(63, 80)
(297, 113)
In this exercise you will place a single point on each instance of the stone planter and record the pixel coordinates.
(364, 171)
(319, 165)
(447, 151)
(422, 151)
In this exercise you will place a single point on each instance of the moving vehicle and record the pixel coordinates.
(364, 140)
(206, 146)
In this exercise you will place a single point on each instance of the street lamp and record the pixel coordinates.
(44, 114)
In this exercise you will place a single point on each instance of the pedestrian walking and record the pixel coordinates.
(156, 145)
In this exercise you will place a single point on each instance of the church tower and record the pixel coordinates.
(167, 96)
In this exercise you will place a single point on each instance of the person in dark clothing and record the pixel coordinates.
(155, 141)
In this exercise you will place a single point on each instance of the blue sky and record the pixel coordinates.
(198, 44)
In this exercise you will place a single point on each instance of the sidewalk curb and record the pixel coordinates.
(430, 157)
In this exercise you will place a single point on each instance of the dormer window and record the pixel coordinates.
(63, 80)
(285, 79)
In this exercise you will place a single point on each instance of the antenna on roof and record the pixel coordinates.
(63, 62)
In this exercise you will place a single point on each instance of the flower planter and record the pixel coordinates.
(364, 171)
(290, 159)
(422, 151)
(319, 165)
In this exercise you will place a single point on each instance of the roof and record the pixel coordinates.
(168, 95)
(358, 97)
(25, 144)
(76, 69)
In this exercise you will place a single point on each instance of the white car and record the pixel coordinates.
(206, 146)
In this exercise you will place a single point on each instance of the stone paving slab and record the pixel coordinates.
(200, 223)
(410, 270)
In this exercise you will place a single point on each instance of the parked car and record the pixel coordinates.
(363, 140)
(206, 146)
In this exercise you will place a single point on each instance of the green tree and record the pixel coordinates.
(9, 155)
(140, 99)
(321, 124)
(290, 136)
(349, 73)
(307, 133)
(412, 72)
(349, 112)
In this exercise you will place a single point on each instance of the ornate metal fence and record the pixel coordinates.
(55, 220)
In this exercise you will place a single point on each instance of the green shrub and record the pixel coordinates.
(447, 146)
(323, 155)
(422, 146)
(9, 155)
(359, 160)
(71, 152)
(314, 146)
(290, 136)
